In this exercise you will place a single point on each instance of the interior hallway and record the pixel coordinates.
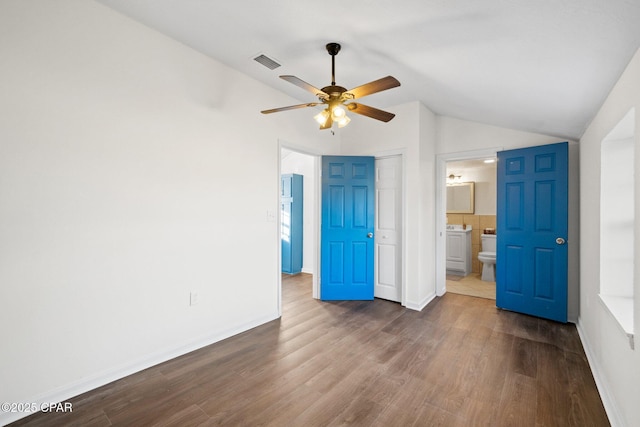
(459, 362)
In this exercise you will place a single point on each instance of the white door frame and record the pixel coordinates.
(441, 207)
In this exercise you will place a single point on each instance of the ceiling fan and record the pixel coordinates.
(336, 98)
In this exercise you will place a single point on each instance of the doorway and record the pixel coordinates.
(469, 160)
(471, 224)
(293, 161)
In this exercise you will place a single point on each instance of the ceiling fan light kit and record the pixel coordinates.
(336, 97)
(322, 117)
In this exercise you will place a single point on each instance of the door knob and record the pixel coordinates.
(369, 235)
(560, 241)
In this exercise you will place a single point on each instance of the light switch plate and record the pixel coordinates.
(194, 298)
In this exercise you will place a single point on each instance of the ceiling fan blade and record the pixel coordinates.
(374, 87)
(291, 107)
(306, 86)
(374, 113)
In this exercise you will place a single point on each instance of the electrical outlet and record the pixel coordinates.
(194, 298)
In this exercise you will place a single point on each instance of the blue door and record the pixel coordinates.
(291, 222)
(531, 258)
(347, 244)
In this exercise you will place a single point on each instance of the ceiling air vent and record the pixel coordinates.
(266, 61)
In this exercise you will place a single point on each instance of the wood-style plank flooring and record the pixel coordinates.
(459, 362)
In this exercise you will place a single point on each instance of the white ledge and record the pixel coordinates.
(621, 308)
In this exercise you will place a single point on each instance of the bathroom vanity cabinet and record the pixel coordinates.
(459, 252)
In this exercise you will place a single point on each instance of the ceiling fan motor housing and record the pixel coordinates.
(333, 48)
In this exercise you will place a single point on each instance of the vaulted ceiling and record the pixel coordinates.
(542, 66)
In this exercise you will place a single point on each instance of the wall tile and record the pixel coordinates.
(455, 218)
(487, 221)
(472, 220)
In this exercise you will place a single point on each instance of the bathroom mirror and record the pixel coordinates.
(460, 198)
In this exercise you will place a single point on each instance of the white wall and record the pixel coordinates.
(304, 164)
(427, 214)
(615, 365)
(455, 135)
(133, 170)
(485, 190)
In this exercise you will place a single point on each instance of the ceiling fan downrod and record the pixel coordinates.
(333, 49)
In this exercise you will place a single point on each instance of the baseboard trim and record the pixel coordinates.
(601, 383)
(68, 391)
(421, 304)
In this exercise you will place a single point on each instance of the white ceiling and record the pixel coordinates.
(542, 66)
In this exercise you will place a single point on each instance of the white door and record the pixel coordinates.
(388, 233)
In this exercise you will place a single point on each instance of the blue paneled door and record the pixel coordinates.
(347, 243)
(531, 258)
(291, 219)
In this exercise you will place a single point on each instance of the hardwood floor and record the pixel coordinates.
(459, 362)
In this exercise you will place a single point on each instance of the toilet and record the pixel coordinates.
(488, 257)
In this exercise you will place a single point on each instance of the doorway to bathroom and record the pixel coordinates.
(469, 200)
